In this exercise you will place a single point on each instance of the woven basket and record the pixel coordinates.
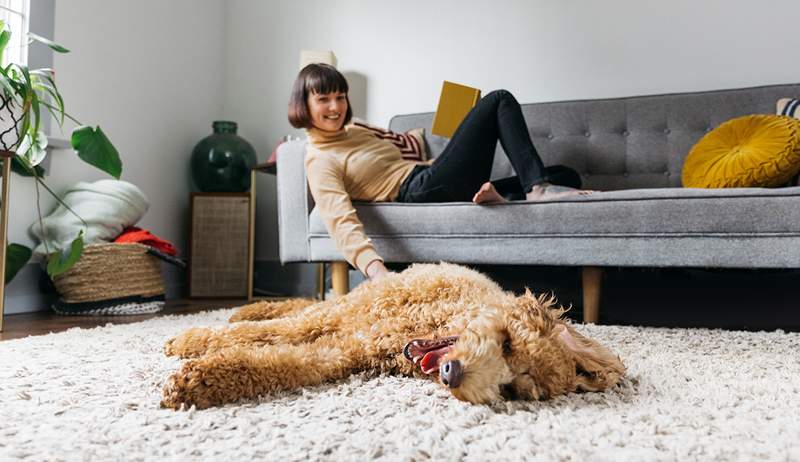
(112, 273)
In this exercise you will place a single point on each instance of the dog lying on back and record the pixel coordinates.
(440, 321)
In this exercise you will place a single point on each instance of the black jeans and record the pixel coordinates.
(466, 163)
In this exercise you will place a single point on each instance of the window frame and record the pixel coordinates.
(16, 14)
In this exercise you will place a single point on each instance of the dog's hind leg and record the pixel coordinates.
(264, 310)
(232, 374)
(304, 327)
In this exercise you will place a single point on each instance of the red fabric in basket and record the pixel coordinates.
(143, 236)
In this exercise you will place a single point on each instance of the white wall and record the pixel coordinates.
(149, 73)
(541, 50)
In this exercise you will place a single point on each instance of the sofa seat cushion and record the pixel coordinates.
(640, 212)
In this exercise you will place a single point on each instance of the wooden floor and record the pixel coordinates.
(44, 322)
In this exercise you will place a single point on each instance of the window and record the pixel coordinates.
(16, 14)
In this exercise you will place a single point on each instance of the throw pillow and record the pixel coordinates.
(789, 107)
(410, 143)
(750, 151)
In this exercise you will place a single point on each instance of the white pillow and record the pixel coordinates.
(108, 206)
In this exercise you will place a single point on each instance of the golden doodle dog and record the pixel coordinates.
(432, 320)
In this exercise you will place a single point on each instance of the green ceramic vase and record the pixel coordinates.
(222, 161)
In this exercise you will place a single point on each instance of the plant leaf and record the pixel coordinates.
(58, 263)
(96, 149)
(5, 36)
(52, 90)
(59, 117)
(44, 71)
(17, 256)
(18, 166)
(65, 113)
(37, 119)
(24, 129)
(23, 69)
(33, 147)
(8, 86)
(48, 42)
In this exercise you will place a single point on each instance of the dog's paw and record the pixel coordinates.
(184, 389)
(193, 342)
(172, 396)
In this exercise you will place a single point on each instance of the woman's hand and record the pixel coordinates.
(375, 270)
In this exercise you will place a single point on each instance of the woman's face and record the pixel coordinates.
(328, 110)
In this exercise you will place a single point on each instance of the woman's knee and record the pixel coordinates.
(500, 94)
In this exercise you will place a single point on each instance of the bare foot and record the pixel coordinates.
(488, 195)
(546, 191)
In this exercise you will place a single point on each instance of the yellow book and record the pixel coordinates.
(454, 104)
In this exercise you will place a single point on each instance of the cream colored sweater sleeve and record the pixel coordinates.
(326, 182)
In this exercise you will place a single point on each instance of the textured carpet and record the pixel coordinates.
(689, 395)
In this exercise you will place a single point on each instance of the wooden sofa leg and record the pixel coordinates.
(340, 279)
(591, 277)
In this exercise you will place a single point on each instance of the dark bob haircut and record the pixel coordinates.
(315, 78)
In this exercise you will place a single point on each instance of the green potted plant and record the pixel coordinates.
(26, 96)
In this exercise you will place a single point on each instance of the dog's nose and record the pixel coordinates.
(451, 373)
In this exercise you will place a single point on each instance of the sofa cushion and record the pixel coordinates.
(736, 227)
(756, 150)
(656, 212)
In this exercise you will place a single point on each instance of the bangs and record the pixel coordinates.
(320, 79)
(324, 79)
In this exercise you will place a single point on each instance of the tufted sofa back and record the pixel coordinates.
(624, 143)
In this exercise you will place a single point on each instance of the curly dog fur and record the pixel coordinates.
(487, 344)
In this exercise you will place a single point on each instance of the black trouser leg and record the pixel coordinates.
(511, 189)
(466, 162)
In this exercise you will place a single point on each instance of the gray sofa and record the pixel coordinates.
(630, 148)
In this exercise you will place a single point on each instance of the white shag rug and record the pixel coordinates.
(696, 394)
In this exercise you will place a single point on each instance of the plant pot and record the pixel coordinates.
(222, 162)
(10, 118)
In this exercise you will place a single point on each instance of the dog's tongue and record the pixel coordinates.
(430, 362)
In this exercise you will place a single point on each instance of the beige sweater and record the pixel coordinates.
(352, 164)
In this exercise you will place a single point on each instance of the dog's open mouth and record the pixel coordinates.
(428, 353)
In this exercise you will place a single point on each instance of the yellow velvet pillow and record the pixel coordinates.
(750, 151)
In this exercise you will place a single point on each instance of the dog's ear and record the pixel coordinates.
(596, 367)
(542, 310)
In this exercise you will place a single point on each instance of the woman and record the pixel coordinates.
(346, 162)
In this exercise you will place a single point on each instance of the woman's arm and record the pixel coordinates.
(326, 182)
(376, 270)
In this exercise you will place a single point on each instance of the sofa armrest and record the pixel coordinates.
(294, 202)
